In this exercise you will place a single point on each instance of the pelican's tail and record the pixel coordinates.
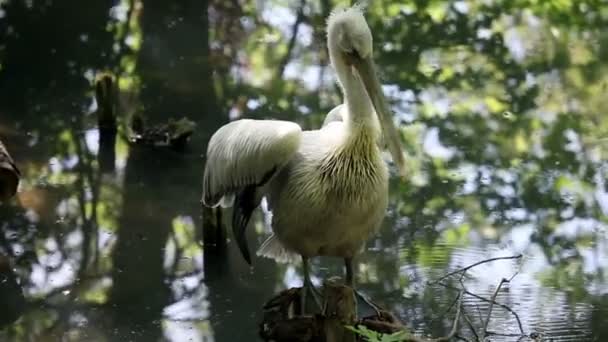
(273, 249)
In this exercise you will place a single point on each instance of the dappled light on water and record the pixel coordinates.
(501, 106)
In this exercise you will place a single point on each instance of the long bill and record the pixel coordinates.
(365, 68)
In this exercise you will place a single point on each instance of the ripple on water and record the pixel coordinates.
(548, 311)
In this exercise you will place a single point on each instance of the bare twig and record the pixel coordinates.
(479, 315)
(492, 301)
(458, 337)
(448, 308)
(521, 329)
(463, 290)
(493, 333)
(456, 320)
(464, 269)
(453, 330)
(470, 325)
(513, 276)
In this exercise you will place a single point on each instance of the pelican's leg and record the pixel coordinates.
(348, 263)
(365, 308)
(309, 289)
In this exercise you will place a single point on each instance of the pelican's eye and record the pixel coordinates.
(351, 56)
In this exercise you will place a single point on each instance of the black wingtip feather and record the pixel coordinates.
(244, 205)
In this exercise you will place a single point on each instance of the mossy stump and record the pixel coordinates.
(282, 321)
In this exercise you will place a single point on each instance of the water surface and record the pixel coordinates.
(502, 108)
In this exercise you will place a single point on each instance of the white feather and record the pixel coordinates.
(227, 200)
(273, 249)
(243, 152)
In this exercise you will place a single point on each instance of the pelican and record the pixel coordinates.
(327, 188)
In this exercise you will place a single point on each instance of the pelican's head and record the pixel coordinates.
(347, 32)
(349, 41)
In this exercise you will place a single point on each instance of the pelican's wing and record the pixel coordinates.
(334, 115)
(245, 153)
(242, 156)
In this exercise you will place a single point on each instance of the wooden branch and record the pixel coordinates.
(492, 301)
(385, 323)
(462, 290)
(450, 335)
(470, 325)
(455, 323)
(506, 307)
(464, 269)
(9, 175)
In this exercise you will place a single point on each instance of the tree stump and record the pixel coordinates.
(9, 175)
(106, 95)
(282, 321)
(340, 311)
(214, 232)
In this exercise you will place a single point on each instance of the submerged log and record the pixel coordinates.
(9, 175)
(282, 323)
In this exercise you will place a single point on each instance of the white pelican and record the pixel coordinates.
(327, 188)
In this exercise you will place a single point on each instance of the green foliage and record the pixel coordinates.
(513, 90)
(374, 336)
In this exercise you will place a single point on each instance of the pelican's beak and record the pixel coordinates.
(367, 72)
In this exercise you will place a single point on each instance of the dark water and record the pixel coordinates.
(502, 107)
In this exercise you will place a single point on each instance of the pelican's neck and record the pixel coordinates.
(359, 110)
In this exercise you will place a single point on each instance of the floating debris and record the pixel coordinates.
(174, 133)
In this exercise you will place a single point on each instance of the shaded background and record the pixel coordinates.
(502, 105)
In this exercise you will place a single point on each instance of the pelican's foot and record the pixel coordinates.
(310, 297)
(365, 308)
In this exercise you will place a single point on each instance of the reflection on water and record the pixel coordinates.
(501, 107)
